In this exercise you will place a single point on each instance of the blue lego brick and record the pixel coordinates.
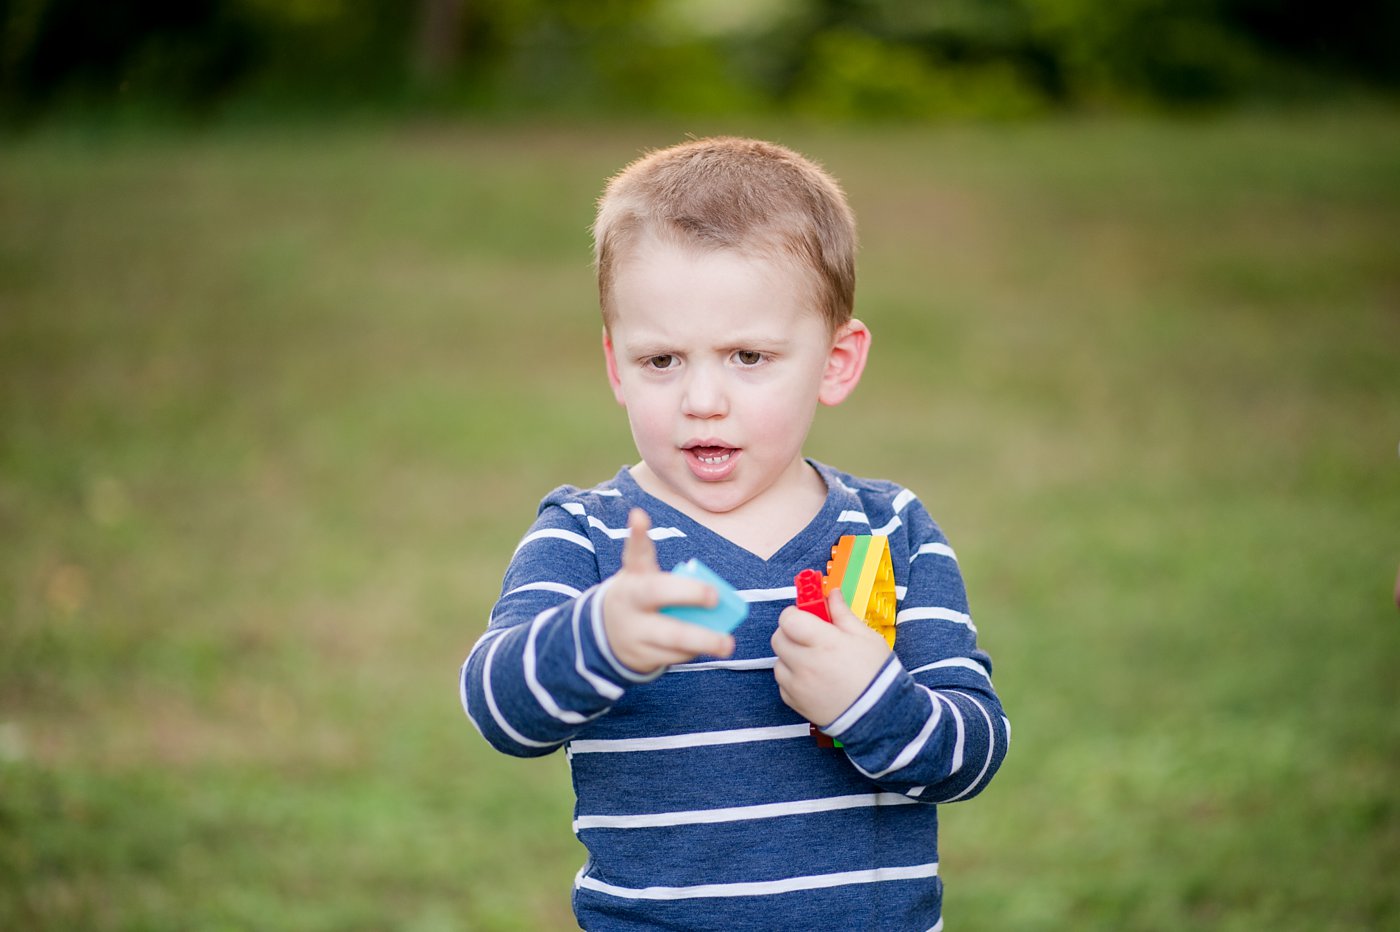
(724, 617)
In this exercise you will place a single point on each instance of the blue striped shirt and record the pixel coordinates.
(701, 798)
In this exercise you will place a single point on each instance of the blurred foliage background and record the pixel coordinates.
(297, 325)
(842, 58)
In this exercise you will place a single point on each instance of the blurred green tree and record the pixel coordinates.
(843, 58)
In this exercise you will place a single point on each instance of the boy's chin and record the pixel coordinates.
(688, 494)
(712, 498)
(717, 504)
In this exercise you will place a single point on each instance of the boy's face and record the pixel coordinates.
(720, 359)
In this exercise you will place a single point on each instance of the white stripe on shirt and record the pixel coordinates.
(600, 638)
(560, 588)
(559, 533)
(991, 745)
(966, 663)
(466, 702)
(780, 594)
(485, 639)
(755, 663)
(942, 550)
(515, 736)
(532, 679)
(912, 749)
(603, 687)
(860, 517)
(692, 740)
(742, 813)
(866, 700)
(935, 614)
(960, 742)
(762, 887)
(889, 528)
(617, 533)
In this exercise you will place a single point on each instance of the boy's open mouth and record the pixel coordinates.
(710, 462)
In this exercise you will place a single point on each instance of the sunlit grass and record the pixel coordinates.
(275, 406)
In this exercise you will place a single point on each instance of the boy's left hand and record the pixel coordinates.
(823, 668)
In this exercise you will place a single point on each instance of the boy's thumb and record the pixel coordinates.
(841, 614)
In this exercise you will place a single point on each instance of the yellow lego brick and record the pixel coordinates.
(860, 566)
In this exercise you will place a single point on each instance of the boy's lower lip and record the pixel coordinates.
(711, 464)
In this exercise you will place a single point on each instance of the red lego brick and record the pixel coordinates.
(809, 594)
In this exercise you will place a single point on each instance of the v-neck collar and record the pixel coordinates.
(813, 538)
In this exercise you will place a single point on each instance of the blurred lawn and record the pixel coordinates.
(274, 407)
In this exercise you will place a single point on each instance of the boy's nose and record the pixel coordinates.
(704, 395)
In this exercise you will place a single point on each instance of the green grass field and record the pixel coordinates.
(275, 406)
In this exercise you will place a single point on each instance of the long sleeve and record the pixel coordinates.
(930, 724)
(543, 670)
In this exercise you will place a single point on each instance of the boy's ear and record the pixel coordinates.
(845, 362)
(613, 379)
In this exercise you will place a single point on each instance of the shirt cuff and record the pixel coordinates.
(867, 700)
(600, 640)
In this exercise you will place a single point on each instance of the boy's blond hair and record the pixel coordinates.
(731, 193)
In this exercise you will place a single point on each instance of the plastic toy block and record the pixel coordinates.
(811, 595)
(836, 566)
(860, 566)
(725, 616)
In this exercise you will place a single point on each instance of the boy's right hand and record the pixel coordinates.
(640, 636)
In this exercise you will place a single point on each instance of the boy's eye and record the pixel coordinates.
(748, 357)
(664, 361)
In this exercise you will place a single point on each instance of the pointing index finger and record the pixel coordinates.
(639, 553)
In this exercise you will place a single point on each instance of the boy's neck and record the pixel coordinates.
(762, 525)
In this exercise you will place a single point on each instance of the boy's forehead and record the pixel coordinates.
(664, 289)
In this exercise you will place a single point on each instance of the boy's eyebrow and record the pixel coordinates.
(777, 340)
(651, 344)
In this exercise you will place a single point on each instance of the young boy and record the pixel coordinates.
(726, 274)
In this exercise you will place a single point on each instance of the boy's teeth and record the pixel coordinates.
(712, 456)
